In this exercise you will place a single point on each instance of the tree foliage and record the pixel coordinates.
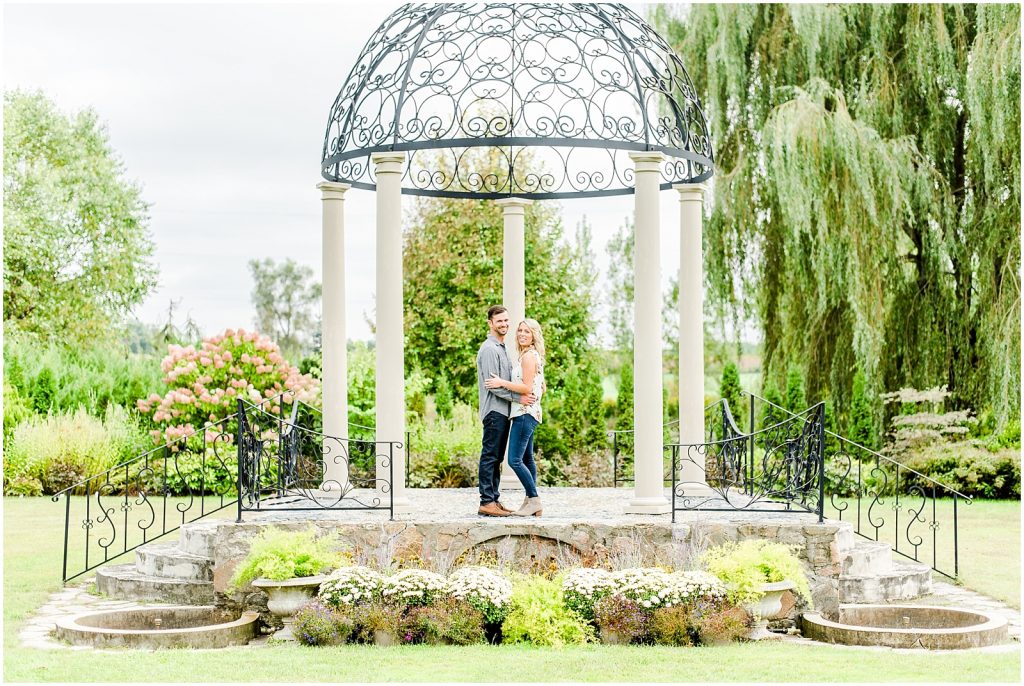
(77, 250)
(286, 299)
(730, 389)
(867, 198)
(453, 266)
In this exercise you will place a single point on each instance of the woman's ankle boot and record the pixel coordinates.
(531, 508)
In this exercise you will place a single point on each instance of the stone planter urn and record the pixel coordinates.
(769, 606)
(284, 598)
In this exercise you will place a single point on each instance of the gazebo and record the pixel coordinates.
(580, 101)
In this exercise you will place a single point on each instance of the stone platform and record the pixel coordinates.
(579, 526)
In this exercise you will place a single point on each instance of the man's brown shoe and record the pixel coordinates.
(502, 506)
(493, 510)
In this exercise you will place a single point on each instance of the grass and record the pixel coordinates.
(32, 558)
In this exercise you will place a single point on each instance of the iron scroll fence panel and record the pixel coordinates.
(135, 502)
(362, 442)
(779, 468)
(885, 500)
(285, 466)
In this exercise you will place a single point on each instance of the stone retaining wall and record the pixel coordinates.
(537, 546)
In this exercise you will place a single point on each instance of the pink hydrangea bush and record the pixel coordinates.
(205, 384)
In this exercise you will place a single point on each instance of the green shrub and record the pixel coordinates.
(722, 624)
(16, 409)
(671, 626)
(317, 624)
(23, 485)
(447, 621)
(446, 453)
(54, 378)
(796, 400)
(65, 448)
(730, 389)
(443, 401)
(540, 617)
(279, 554)
(623, 616)
(189, 474)
(968, 467)
(746, 565)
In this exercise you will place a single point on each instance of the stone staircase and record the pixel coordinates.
(179, 572)
(870, 575)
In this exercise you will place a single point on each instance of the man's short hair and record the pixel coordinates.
(495, 310)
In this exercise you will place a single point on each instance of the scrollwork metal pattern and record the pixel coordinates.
(775, 469)
(284, 465)
(146, 497)
(887, 501)
(561, 92)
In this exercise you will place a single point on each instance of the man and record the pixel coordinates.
(495, 407)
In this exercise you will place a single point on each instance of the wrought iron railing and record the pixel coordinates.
(293, 467)
(775, 469)
(363, 440)
(197, 474)
(886, 500)
(149, 496)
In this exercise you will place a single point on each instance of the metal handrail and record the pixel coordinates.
(874, 453)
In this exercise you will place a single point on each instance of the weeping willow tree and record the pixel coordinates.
(866, 210)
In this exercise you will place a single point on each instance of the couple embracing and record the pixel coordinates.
(510, 390)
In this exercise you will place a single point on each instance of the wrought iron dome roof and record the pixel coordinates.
(537, 100)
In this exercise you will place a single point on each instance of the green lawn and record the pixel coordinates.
(32, 558)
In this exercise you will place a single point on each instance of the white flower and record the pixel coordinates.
(349, 584)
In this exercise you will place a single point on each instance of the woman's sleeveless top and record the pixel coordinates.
(533, 410)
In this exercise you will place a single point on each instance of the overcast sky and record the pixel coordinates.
(219, 113)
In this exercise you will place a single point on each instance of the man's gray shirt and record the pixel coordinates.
(493, 359)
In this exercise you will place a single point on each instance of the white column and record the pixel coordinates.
(513, 272)
(513, 292)
(333, 337)
(389, 167)
(649, 491)
(691, 330)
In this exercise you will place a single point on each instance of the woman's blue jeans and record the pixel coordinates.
(520, 452)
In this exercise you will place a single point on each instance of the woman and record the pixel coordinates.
(527, 377)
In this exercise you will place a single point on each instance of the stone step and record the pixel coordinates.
(903, 582)
(126, 583)
(169, 560)
(868, 558)
(198, 538)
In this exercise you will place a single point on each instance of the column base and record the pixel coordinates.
(656, 506)
(403, 505)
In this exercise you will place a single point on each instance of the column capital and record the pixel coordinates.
(691, 192)
(388, 162)
(332, 190)
(513, 205)
(647, 160)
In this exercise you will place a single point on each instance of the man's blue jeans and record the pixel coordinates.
(491, 456)
(520, 452)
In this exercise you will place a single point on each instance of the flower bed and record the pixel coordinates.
(477, 604)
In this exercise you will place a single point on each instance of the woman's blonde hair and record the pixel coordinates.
(538, 338)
